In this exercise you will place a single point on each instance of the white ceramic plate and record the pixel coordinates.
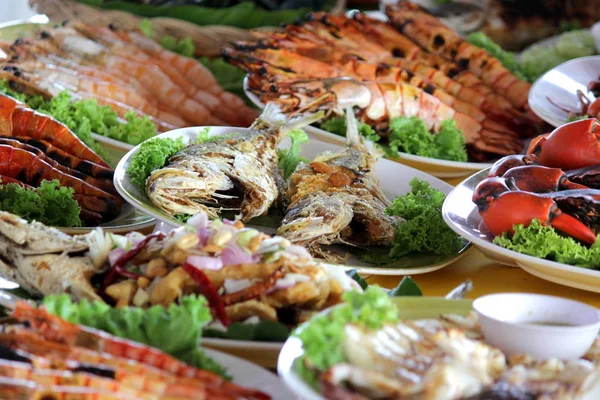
(461, 214)
(394, 177)
(409, 307)
(433, 166)
(250, 375)
(561, 84)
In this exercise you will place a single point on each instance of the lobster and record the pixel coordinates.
(557, 182)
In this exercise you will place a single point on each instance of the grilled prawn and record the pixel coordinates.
(337, 199)
(236, 172)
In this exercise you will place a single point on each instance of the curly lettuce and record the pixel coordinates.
(176, 329)
(323, 337)
(543, 241)
(152, 155)
(424, 229)
(84, 117)
(50, 204)
(410, 135)
(289, 158)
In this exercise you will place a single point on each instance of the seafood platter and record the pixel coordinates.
(410, 68)
(75, 98)
(333, 201)
(538, 211)
(447, 350)
(45, 356)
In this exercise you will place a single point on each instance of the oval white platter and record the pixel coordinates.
(561, 84)
(250, 375)
(433, 166)
(461, 214)
(394, 178)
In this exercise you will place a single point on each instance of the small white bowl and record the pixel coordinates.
(542, 326)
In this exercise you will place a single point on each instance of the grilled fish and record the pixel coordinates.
(236, 172)
(337, 199)
(44, 260)
(447, 359)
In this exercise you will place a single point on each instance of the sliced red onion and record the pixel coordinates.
(164, 228)
(204, 262)
(199, 221)
(115, 254)
(203, 235)
(228, 221)
(236, 285)
(234, 255)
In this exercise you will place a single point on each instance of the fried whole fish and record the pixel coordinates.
(44, 260)
(337, 199)
(232, 172)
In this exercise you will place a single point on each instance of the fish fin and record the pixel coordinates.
(273, 116)
(356, 140)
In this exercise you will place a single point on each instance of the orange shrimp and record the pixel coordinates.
(191, 88)
(16, 120)
(31, 169)
(83, 376)
(67, 335)
(103, 184)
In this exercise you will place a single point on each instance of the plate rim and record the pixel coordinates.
(433, 162)
(516, 257)
(120, 171)
(535, 107)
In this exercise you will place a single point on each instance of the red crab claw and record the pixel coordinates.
(540, 179)
(505, 163)
(570, 146)
(500, 212)
(588, 176)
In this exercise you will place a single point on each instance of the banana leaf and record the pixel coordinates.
(245, 15)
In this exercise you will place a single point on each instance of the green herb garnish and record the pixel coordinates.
(424, 229)
(51, 204)
(152, 155)
(176, 329)
(289, 158)
(544, 242)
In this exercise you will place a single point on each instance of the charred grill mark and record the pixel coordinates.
(438, 41)
(102, 371)
(6, 353)
(398, 53)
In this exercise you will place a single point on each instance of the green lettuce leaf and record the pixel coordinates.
(152, 155)
(176, 329)
(424, 229)
(51, 205)
(322, 339)
(544, 242)
(289, 158)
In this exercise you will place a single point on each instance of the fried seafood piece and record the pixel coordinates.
(44, 260)
(337, 199)
(233, 172)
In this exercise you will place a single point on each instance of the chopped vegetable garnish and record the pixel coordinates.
(176, 329)
(50, 204)
(544, 242)
(152, 155)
